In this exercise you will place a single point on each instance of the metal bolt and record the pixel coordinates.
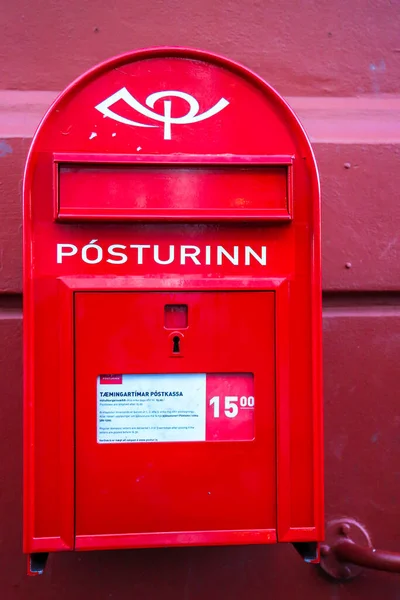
(344, 529)
(324, 550)
(346, 573)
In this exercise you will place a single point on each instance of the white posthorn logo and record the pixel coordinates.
(191, 116)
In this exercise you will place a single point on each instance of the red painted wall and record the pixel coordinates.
(321, 55)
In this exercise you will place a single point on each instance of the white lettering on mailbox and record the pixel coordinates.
(117, 254)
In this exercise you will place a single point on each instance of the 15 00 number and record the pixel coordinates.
(231, 405)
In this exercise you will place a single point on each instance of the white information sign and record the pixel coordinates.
(151, 408)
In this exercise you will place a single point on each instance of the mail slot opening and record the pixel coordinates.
(88, 191)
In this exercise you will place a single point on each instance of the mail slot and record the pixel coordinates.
(142, 189)
(172, 313)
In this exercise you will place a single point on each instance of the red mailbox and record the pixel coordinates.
(172, 313)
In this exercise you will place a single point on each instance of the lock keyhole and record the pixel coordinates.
(176, 344)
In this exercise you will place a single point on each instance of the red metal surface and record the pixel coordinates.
(167, 483)
(255, 125)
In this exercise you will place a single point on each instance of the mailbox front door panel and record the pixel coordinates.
(175, 417)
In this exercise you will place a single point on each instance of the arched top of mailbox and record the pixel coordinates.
(126, 120)
(172, 100)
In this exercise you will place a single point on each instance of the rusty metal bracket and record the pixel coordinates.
(348, 550)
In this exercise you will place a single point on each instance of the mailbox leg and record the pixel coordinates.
(37, 563)
(309, 551)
